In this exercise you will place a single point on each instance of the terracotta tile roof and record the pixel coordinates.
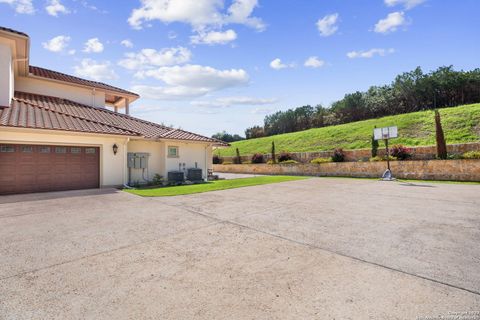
(44, 112)
(55, 75)
(13, 31)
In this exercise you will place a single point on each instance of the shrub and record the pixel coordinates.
(440, 137)
(400, 152)
(471, 155)
(288, 161)
(217, 159)
(270, 162)
(321, 160)
(227, 162)
(384, 158)
(284, 156)
(338, 155)
(238, 158)
(247, 162)
(257, 158)
(157, 179)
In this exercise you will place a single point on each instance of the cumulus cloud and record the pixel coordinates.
(327, 25)
(214, 37)
(21, 6)
(94, 70)
(127, 43)
(93, 45)
(314, 62)
(56, 44)
(391, 23)
(150, 58)
(408, 4)
(226, 102)
(200, 14)
(277, 64)
(189, 81)
(55, 7)
(370, 53)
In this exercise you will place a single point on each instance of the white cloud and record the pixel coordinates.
(390, 23)
(93, 45)
(56, 44)
(189, 81)
(150, 58)
(370, 53)
(314, 62)
(200, 14)
(127, 43)
(94, 70)
(327, 26)
(226, 102)
(54, 7)
(277, 64)
(72, 52)
(262, 110)
(408, 4)
(21, 6)
(214, 37)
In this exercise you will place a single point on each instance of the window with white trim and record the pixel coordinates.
(173, 152)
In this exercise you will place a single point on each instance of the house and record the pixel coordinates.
(60, 132)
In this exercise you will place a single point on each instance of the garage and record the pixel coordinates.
(37, 168)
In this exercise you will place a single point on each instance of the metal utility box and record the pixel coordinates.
(194, 174)
(137, 160)
(176, 176)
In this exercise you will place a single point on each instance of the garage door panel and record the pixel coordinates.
(27, 168)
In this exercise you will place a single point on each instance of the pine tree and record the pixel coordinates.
(440, 137)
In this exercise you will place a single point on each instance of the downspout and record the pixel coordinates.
(206, 163)
(125, 163)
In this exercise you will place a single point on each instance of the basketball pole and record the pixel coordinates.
(388, 154)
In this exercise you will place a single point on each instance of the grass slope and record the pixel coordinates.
(211, 186)
(460, 124)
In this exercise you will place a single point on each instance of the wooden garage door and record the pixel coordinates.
(38, 168)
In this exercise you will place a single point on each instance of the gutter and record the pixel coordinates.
(125, 162)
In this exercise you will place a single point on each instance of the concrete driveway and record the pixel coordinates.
(312, 249)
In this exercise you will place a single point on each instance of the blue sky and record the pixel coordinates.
(212, 65)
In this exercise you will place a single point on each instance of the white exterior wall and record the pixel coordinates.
(70, 92)
(189, 153)
(6, 75)
(112, 166)
(156, 160)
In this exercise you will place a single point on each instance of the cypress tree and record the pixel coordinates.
(374, 145)
(274, 160)
(440, 137)
(238, 159)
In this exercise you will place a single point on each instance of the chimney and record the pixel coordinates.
(6, 75)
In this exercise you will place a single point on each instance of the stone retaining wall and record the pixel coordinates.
(458, 170)
(418, 153)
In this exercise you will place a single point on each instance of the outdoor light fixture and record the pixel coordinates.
(115, 148)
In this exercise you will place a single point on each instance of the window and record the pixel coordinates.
(172, 152)
(44, 149)
(90, 150)
(60, 150)
(75, 150)
(7, 148)
(26, 149)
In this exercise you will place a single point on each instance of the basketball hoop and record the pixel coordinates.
(385, 134)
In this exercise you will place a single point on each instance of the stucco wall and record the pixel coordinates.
(459, 170)
(6, 75)
(189, 153)
(50, 88)
(111, 166)
(156, 160)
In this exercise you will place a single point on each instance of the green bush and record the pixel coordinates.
(227, 162)
(258, 158)
(321, 160)
(288, 161)
(471, 155)
(338, 155)
(271, 162)
(384, 158)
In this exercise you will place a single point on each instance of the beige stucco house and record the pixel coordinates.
(60, 132)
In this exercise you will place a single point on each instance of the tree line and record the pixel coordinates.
(409, 92)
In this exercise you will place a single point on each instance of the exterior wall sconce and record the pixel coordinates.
(115, 149)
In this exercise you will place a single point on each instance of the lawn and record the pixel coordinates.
(460, 124)
(211, 186)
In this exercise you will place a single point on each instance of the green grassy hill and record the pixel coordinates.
(460, 124)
